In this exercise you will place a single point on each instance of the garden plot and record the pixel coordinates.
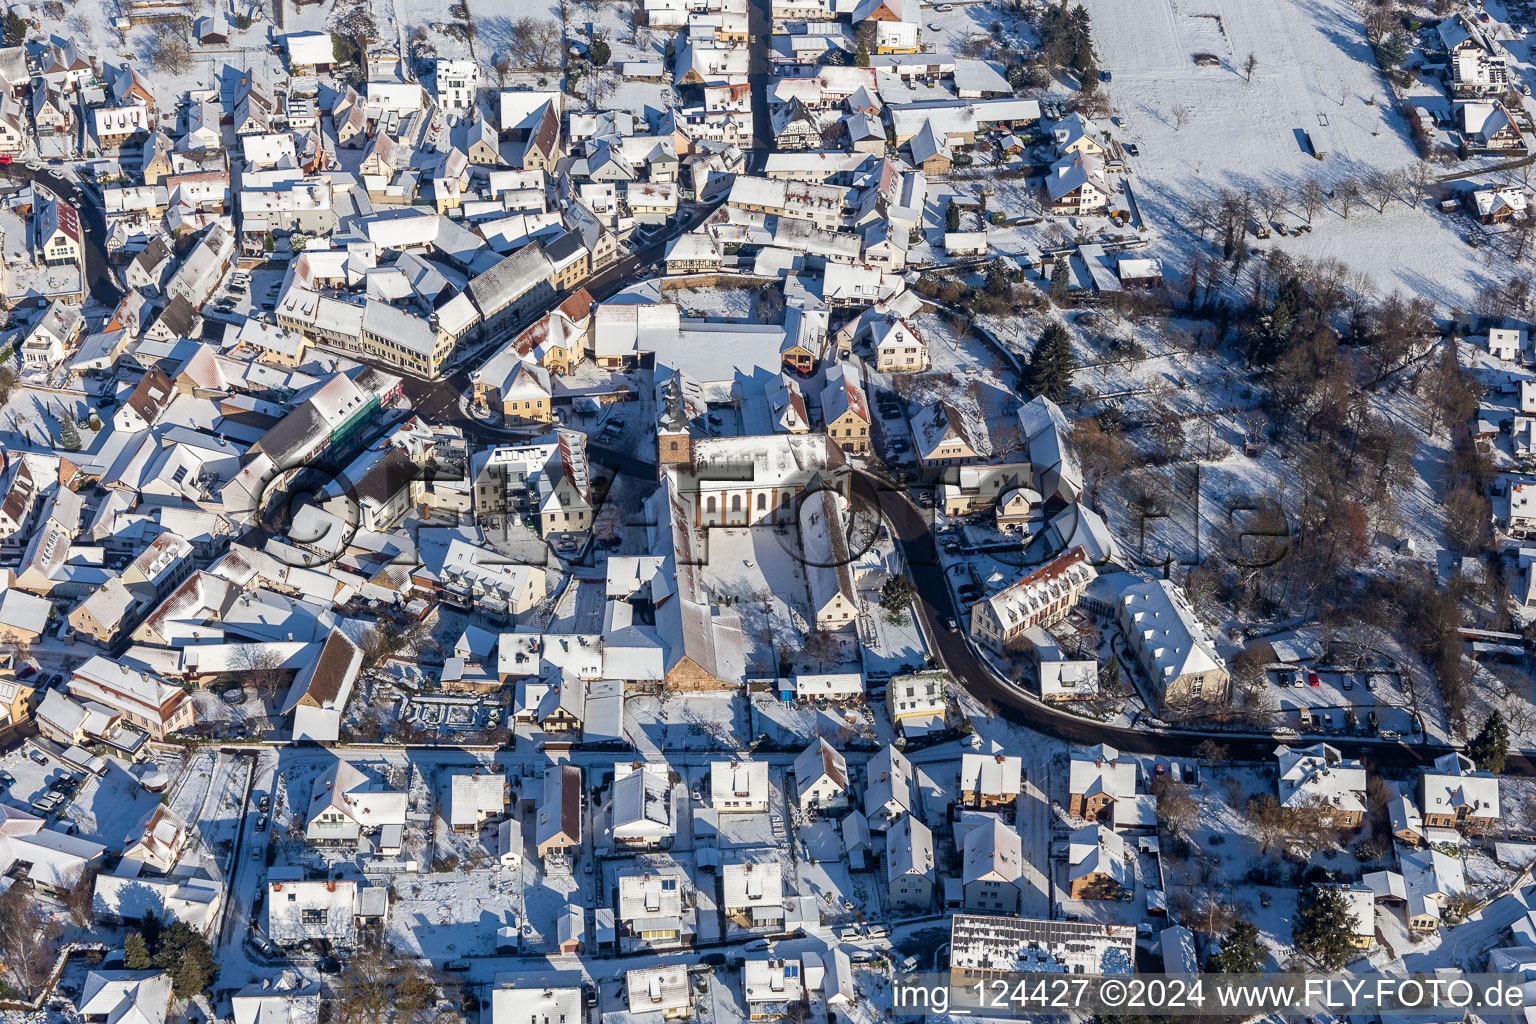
(111, 810)
(457, 913)
(791, 724)
(834, 887)
(726, 302)
(894, 644)
(757, 830)
(697, 721)
(971, 376)
(448, 715)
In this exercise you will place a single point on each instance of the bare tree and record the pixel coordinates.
(1379, 187)
(1270, 200)
(1347, 194)
(1178, 812)
(1419, 177)
(1249, 64)
(1181, 115)
(262, 667)
(168, 52)
(30, 939)
(1311, 197)
(821, 647)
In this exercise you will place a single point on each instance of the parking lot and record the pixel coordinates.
(1365, 703)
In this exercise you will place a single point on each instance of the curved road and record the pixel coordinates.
(935, 602)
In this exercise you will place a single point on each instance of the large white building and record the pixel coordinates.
(1171, 644)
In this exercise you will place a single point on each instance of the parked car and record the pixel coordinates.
(1131, 149)
(758, 946)
(714, 959)
(39, 757)
(261, 823)
(456, 966)
(1313, 680)
(264, 804)
(1370, 683)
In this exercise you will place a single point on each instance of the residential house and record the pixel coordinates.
(827, 564)
(641, 808)
(299, 910)
(1041, 598)
(992, 868)
(125, 997)
(652, 909)
(1076, 185)
(344, 804)
(889, 788)
(821, 778)
(1455, 794)
(844, 409)
(943, 437)
(664, 993)
(897, 346)
(1318, 778)
(990, 781)
(559, 813)
(1489, 126)
(910, 874)
(1171, 645)
(1099, 864)
(475, 798)
(917, 703)
(772, 987)
(738, 787)
(1097, 780)
(752, 894)
(141, 699)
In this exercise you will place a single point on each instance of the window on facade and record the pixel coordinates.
(762, 502)
(709, 505)
(735, 503)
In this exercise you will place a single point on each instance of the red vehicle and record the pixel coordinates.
(1312, 679)
(5, 158)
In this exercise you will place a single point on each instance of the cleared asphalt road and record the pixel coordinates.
(935, 602)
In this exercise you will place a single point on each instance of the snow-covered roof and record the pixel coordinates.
(991, 775)
(993, 851)
(745, 781)
(1166, 627)
(125, 997)
(1099, 769)
(473, 797)
(752, 885)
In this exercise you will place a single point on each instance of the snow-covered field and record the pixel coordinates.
(1202, 129)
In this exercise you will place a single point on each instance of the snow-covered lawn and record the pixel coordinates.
(1201, 129)
(694, 721)
(457, 913)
